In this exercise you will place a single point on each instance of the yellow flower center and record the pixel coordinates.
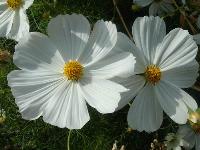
(14, 4)
(152, 74)
(194, 117)
(73, 70)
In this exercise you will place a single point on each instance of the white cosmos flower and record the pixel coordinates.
(190, 135)
(175, 142)
(13, 20)
(157, 7)
(164, 64)
(61, 72)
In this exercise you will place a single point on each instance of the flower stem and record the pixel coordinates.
(68, 139)
(187, 20)
(121, 18)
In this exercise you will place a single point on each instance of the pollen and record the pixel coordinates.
(73, 70)
(153, 74)
(14, 4)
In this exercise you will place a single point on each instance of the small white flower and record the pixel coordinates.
(164, 64)
(62, 72)
(174, 142)
(191, 135)
(157, 7)
(13, 20)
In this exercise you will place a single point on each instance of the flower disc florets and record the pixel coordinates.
(152, 74)
(14, 4)
(73, 70)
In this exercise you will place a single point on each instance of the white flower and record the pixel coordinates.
(62, 72)
(164, 64)
(190, 135)
(157, 7)
(13, 20)
(174, 142)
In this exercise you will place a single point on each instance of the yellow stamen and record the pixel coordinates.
(14, 4)
(153, 74)
(194, 117)
(73, 70)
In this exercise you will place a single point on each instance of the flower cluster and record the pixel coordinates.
(74, 65)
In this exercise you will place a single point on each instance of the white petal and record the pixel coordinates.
(3, 6)
(197, 142)
(186, 132)
(36, 52)
(153, 9)
(124, 44)
(70, 33)
(67, 108)
(148, 32)
(101, 42)
(197, 38)
(167, 7)
(145, 112)
(32, 90)
(121, 65)
(134, 84)
(177, 49)
(6, 21)
(27, 3)
(142, 3)
(103, 95)
(20, 26)
(172, 101)
(183, 76)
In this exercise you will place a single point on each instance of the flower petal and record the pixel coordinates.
(101, 42)
(124, 44)
(27, 3)
(32, 90)
(172, 100)
(36, 52)
(121, 64)
(3, 6)
(145, 113)
(197, 142)
(70, 33)
(134, 84)
(142, 3)
(67, 107)
(186, 133)
(177, 49)
(103, 95)
(6, 21)
(20, 26)
(148, 32)
(154, 9)
(183, 76)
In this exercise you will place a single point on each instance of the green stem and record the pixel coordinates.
(187, 20)
(121, 18)
(68, 140)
